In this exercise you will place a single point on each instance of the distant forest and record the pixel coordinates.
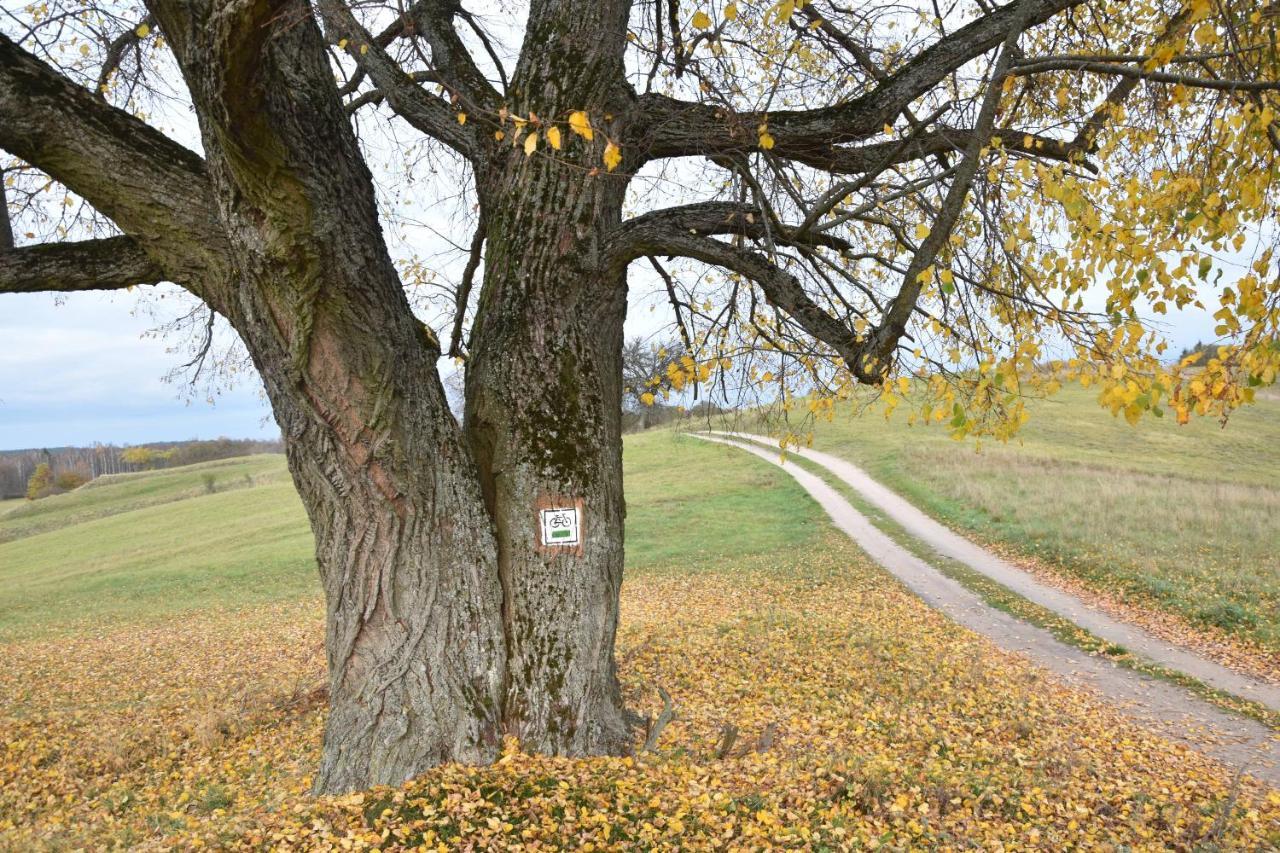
(81, 464)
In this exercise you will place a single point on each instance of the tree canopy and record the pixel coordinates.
(956, 205)
(962, 203)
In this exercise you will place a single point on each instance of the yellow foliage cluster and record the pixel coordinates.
(1078, 258)
(862, 720)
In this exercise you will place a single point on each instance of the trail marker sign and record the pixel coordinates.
(560, 526)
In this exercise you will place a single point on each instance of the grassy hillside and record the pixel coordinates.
(1176, 517)
(151, 544)
(119, 493)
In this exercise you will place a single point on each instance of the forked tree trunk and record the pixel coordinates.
(450, 620)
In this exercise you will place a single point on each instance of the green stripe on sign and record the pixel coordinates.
(559, 534)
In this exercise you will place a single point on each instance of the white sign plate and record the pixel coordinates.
(559, 526)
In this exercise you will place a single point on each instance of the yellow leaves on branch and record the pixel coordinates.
(701, 20)
(580, 124)
(612, 156)
(765, 138)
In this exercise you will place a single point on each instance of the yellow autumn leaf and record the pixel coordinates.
(342, 44)
(612, 156)
(84, 50)
(731, 12)
(581, 125)
(531, 143)
(143, 30)
(922, 231)
(462, 118)
(364, 48)
(553, 137)
(647, 398)
(765, 138)
(701, 21)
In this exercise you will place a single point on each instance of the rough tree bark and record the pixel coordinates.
(404, 543)
(544, 390)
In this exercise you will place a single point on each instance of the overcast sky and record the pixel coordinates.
(83, 372)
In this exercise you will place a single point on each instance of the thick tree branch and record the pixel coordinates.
(877, 156)
(423, 111)
(145, 182)
(111, 263)
(781, 289)
(893, 324)
(634, 237)
(434, 19)
(675, 128)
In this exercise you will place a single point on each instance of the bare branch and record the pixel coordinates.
(781, 289)
(894, 323)
(424, 111)
(115, 53)
(464, 289)
(706, 218)
(112, 263)
(6, 226)
(1135, 73)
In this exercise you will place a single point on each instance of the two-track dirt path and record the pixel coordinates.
(1172, 710)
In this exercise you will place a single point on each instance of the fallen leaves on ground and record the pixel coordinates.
(859, 719)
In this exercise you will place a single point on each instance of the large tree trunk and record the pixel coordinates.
(544, 395)
(450, 622)
(404, 543)
(544, 388)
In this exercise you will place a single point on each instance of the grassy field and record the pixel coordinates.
(155, 543)
(120, 493)
(1180, 518)
(860, 717)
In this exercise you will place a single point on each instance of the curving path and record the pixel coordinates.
(1175, 712)
(950, 544)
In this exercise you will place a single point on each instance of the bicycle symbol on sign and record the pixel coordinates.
(560, 526)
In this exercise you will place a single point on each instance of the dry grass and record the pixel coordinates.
(1181, 520)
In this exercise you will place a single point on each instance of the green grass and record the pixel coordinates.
(227, 549)
(1180, 518)
(155, 544)
(119, 493)
(692, 505)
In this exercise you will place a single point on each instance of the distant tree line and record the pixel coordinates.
(1203, 353)
(37, 473)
